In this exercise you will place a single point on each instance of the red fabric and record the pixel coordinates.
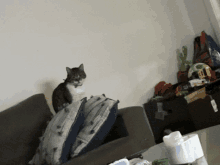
(202, 39)
(158, 87)
(165, 88)
(203, 55)
(162, 87)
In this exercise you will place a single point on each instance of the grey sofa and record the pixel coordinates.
(23, 124)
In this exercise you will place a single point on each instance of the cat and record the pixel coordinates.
(71, 90)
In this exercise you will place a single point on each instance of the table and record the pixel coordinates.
(184, 117)
(210, 141)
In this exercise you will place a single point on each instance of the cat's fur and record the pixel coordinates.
(71, 90)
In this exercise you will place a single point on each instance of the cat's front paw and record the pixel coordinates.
(65, 104)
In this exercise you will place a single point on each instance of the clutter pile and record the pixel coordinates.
(201, 73)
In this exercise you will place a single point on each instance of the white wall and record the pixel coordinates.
(126, 46)
(199, 18)
(213, 10)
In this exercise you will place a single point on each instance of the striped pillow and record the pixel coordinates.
(60, 135)
(100, 114)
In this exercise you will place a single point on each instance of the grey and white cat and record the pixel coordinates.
(71, 90)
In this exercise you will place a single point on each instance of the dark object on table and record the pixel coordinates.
(212, 87)
(205, 112)
(217, 73)
(182, 76)
(178, 118)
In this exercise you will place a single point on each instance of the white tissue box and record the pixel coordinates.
(187, 150)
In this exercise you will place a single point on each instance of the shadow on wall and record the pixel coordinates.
(143, 86)
(143, 91)
(47, 87)
(15, 99)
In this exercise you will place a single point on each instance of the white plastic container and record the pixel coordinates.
(121, 162)
(181, 150)
(173, 139)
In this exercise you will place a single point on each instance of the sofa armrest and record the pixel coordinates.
(137, 125)
(139, 138)
(20, 128)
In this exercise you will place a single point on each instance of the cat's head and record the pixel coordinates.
(76, 76)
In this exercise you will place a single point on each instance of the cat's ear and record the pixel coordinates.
(69, 71)
(81, 67)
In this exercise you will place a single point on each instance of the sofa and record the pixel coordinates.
(23, 124)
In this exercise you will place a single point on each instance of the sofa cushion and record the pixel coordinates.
(100, 115)
(60, 134)
(117, 131)
(20, 129)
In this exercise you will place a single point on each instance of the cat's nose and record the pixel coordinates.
(77, 81)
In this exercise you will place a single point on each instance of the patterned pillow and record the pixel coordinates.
(60, 135)
(100, 115)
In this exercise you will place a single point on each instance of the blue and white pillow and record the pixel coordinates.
(60, 134)
(100, 115)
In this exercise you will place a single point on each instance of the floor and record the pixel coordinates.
(210, 141)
